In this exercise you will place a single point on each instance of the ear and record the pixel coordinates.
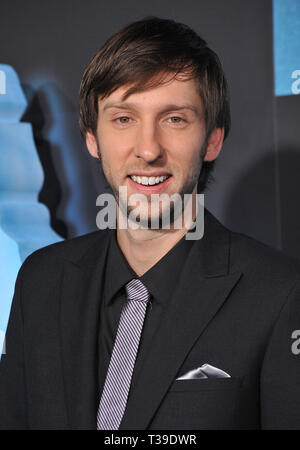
(214, 145)
(91, 143)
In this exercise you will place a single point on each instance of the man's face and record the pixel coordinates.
(152, 142)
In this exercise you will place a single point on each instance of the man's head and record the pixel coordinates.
(131, 105)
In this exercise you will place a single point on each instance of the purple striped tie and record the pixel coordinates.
(118, 378)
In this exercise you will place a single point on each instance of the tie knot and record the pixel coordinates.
(137, 291)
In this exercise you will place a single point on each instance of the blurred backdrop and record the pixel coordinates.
(48, 43)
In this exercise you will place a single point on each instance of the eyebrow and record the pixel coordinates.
(166, 108)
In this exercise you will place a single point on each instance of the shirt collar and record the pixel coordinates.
(118, 271)
(160, 279)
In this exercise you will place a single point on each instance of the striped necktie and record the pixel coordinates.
(118, 378)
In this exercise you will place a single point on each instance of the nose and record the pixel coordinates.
(148, 145)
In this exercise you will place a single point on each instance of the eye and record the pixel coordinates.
(123, 120)
(176, 120)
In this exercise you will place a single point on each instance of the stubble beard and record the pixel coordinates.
(176, 207)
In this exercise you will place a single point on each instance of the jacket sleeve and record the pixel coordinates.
(12, 379)
(280, 375)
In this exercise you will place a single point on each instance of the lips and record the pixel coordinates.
(150, 188)
(149, 180)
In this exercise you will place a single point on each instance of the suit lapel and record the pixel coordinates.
(203, 287)
(80, 308)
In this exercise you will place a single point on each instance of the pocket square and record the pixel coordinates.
(205, 371)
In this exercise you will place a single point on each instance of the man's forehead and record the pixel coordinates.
(177, 92)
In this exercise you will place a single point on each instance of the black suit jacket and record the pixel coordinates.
(235, 307)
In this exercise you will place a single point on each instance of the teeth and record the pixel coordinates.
(148, 180)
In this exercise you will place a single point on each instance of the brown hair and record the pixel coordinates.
(142, 50)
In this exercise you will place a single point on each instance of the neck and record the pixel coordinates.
(143, 248)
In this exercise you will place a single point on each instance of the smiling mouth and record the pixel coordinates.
(149, 181)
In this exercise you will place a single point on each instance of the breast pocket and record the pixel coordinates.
(200, 404)
(206, 384)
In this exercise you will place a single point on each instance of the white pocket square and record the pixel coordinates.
(205, 371)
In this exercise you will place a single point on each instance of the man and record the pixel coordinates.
(140, 328)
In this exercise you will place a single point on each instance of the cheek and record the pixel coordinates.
(109, 148)
(187, 152)
(114, 144)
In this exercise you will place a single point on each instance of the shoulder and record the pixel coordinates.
(72, 250)
(254, 256)
(249, 255)
(270, 278)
